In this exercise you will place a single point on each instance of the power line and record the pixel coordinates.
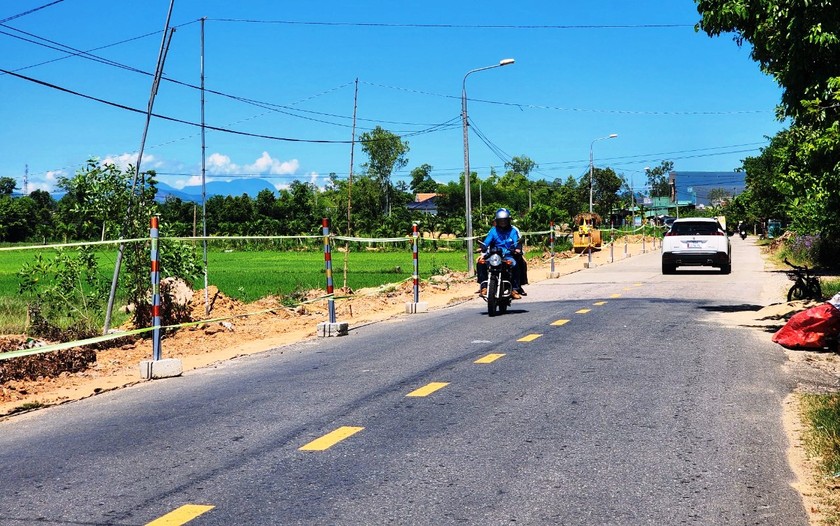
(30, 11)
(438, 127)
(559, 108)
(449, 26)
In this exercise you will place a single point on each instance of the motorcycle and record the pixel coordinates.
(499, 284)
(806, 285)
(743, 234)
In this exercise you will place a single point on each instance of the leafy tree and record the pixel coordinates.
(521, 164)
(607, 185)
(798, 43)
(421, 180)
(7, 185)
(719, 196)
(657, 179)
(386, 153)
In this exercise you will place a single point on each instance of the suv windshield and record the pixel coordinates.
(695, 228)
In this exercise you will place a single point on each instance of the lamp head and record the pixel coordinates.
(613, 135)
(506, 61)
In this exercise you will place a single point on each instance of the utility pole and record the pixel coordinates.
(26, 181)
(164, 48)
(350, 179)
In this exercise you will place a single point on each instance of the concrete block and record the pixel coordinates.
(326, 329)
(553, 275)
(414, 308)
(153, 369)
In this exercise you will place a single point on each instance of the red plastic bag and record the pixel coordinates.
(813, 328)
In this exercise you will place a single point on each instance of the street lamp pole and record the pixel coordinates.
(591, 165)
(467, 196)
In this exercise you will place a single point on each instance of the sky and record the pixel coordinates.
(281, 77)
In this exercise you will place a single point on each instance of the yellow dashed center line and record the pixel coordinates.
(490, 358)
(615, 295)
(529, 338)
(428, 389)
(599, 303)
(182, 515)
(582, 311)
(331, 439)
(637, 284)
(560, 322)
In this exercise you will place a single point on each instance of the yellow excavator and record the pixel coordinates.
(586, 234)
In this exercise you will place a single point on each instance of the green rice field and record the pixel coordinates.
(250, 275)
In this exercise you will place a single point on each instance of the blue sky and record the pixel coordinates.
(584, 69)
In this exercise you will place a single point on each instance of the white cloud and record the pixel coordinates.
(267, 164)
(123, 160)
(218, 163)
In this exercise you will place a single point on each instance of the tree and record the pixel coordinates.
(521, 164)
(7, 185)
(386, 153)
(421, 180)
(798, 43)
(657, 179)
(607, 185)
(719, 197)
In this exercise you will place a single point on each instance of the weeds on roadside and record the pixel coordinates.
(821, 416)
(64, 295)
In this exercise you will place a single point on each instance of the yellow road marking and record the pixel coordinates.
(599, 303)
(331, 439)
(637, 284)
(182, 515)
(615, 295)
(560, 322)
(490, 358)
(529, 338)
(582, 311)
(428, 389)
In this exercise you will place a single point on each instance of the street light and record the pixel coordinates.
(467, 197)
(610, 136)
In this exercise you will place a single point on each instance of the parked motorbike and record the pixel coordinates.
(806, 285)
(499, 284)
(743, 234)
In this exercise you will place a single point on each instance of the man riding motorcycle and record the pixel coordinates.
(504, 236)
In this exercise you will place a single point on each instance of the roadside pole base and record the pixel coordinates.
(326, 329)
(414, 308)
(553, 275)
(154, 369)
(587, 264)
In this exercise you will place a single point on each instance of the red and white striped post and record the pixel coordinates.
(154, 234)
(417, 305)
(551, 246)
(414, 251)
(328, 262)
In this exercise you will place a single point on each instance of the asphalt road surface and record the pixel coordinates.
(612, 396)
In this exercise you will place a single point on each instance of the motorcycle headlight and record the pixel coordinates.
(494, 260)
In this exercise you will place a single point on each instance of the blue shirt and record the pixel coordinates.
(507, 239)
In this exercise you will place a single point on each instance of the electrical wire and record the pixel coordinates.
(450, 26)
(438, 127)
(558, 108)
(7, 19)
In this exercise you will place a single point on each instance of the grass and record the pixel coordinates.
(250, 275)
(821, 415)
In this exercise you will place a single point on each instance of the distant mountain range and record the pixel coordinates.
(236, 188)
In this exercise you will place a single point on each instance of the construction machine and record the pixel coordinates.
(586, 234)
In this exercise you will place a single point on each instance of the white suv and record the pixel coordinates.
(696, 241)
